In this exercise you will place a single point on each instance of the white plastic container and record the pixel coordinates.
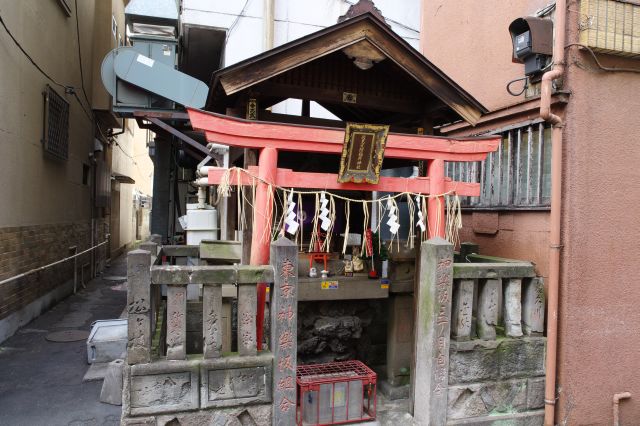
(201, 225)
(107, 341)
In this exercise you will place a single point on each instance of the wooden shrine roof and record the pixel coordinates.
(401, 88)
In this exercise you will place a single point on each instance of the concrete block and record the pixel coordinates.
(162, 387)
(232, 387)
(138, 421)
(176, 322)
(238, 380)
(432, 328)
(399, 338)
(512, 303)
(247, 305)
(138, 307)
(528, 418)
(212, 320)
(462, 309)
(96, 371)
(483, 399)
(392, 392)
(488, 306)
(254, 415)
(511, 358)
(149, 246)
(111, 392)
(535, 393)
(221, 251)
(533, 304)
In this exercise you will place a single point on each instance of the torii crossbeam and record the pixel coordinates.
(273, 137)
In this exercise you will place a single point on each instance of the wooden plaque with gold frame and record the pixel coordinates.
(362, 153)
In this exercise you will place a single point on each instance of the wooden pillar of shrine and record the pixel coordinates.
(436, 205)
(261, 238)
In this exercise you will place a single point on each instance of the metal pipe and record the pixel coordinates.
(203, 181)
(556, 199)
(202, 196)
(204, 170)
(268, 23)
(616, 406)
(57, 262)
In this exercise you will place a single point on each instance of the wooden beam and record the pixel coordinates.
(289, 179)
(334, 96)
(288, 137)
(309, 48)
(297, 119)
(195, 144)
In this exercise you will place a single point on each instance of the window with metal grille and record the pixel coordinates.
(518, 175)
(55, 138)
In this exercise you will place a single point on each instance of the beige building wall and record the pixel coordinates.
(38, 190)
(46, 207)
(130, 157)
(46, 204)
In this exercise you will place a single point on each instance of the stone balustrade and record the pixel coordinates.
(479, 344)
(494, 296)
(211, 277)
(162, 381)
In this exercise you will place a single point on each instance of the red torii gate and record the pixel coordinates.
(272, 137)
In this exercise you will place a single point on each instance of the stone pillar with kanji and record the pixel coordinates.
(430, 373)
(284, 342)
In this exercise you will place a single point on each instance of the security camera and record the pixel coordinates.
(532, 40)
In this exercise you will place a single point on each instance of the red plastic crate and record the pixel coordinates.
(335, 393)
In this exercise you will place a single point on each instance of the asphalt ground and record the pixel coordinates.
(41, 381)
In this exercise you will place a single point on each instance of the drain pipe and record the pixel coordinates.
(555, 244)
(616, 406)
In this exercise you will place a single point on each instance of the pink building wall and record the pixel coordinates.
(599, 318)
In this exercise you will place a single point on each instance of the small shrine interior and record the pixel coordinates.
(356, 276)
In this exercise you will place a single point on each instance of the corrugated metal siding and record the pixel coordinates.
(517, 176)
(610, 26)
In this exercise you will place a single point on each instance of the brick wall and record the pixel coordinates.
(28, 247)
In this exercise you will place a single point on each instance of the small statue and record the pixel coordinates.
(348, 268)
(358, 264)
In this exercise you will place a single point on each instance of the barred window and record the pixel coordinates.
(518, 175)
(55, 140)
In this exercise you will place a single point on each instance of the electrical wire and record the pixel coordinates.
(31, 59)
(67, 88)
(80, 57)
(235, 22)
(602, 67)
(400, 24)
(88, 114)
(124, 152)
(523, 87)
(231, 27)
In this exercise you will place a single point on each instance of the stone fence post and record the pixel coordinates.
(284, 342)
(138, 307)
(430, 375)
